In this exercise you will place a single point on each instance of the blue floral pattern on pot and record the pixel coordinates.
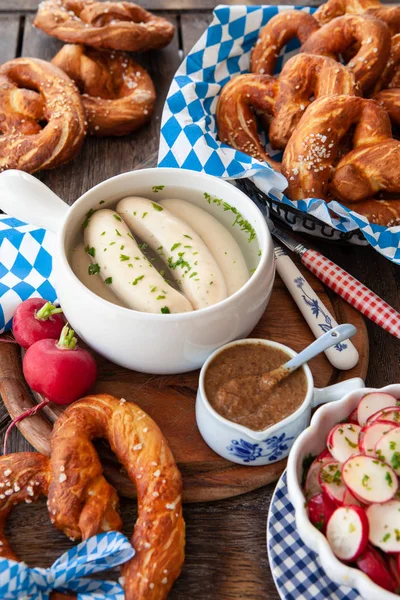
(272, 448)
(317, 311)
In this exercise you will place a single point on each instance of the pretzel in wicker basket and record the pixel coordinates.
(112, 25)
(41, 116)
(76, 475)
(284, 100)
(117, 94)
(339, 35)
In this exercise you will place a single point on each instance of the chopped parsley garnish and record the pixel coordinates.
(252, 270)
(122, 247)
(136, 281)
(259, 252)
(94, 269)
(181, 262)
(165, 310)
(157, 188)
(160, 298)
(392, 445)
(175, 246)
(352, 528)
(101, 201)
(397, 533)
(188, 246)
(157, 207)
(118, 233)
(90, 251)
(104, 233)
(395, 460)
(123, 257)
(117, 217)
(87, 218)
(130, 236)
(187, 236)
(144, 214)
(193, 274)
(153, 289)
(389, 479)
(386, 537)
(239, 219)
(112, 243)
(331, 478)
(142, 246)
(108, 281)
(350, 443)
(365, 480)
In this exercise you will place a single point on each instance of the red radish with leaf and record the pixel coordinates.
(59, 370)
(37, 319)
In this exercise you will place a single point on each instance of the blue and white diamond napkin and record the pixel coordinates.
(25, 266)
(188, 130)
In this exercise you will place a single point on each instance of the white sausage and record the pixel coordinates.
(80, 262)
(218, 240)
(124, 267)
(191, 263)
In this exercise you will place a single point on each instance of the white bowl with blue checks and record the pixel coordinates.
(313, 441)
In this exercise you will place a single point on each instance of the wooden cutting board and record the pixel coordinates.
(170, 400)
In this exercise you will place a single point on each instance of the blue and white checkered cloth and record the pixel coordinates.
(97, 554)
(188, 130)
(25, 266)
(297, 572)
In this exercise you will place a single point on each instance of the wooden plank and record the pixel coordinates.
(9, 28)
(193, 26)
(104, 157)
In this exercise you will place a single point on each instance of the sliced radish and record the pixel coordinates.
(342, 441)
(349, 499)
(388, 414)
(312, 485)
(373, 565)
(373, 402)
(347, 532)
(353, 418)
(394, 570)
(330, 479)
(320, 510)
(384, 525)
(369, 479)
(388, 449)
(371, 433)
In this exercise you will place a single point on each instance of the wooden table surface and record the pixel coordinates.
(226, 555)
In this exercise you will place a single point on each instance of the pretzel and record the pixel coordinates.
(341, 33)
(138, 443)
(389, 14)
(276, 34)
(313, 148)
(368, 170)
(380, 212)
(112, 25)
(117, 94)
(390, 77)
(25, 145)
(390, 100)
(305, 76)
(336, 8)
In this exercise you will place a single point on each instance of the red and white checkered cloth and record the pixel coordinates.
(353, 291)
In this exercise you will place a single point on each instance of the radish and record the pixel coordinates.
(372, 403)
(373, 565)
(353, 418)
(320, 509)
(393, 565)
(59, 370)
(350, 500)
(330, 479)
(371, 433)
(388, 449)
(384, 525)
(37, 319)
(342, 441)
(369, 480)
(388, 414)
(347, 532)
(312, 485)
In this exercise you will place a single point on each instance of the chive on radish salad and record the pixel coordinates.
(352, 489)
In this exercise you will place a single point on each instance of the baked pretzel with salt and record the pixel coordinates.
(371, 168)
(284, 100)
(339, 35)
(336, 8)
(112, 25)
(41, 116)
(76, 473)
(117, 94)
(280, 30)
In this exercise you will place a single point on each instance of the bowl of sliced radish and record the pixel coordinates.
(344, 483)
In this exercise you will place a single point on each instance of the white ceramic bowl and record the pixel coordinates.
(244, 446)
(152, 343)
(313, 440)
